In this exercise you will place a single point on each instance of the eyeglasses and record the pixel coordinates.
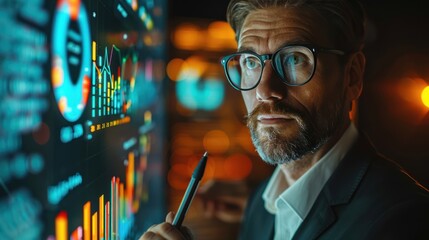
(294, 64)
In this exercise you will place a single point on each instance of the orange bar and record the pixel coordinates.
(130, 180)
(134, 5)
(101, 216)
(76, 234)
(112, 208)
(121, 202)
(87, 221)
(116, 207)
(61, 226)
(94, 226)
(74, 6)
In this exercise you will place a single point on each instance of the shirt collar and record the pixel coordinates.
(301, 195)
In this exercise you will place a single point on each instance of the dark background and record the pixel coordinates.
(390, 110)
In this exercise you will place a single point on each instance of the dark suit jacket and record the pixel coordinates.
(367, 197)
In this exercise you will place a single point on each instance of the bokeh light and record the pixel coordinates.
(237, 166)
(216, 141)
(173, 68)
(188, 36)
(425, 96)
(42, 134)
(178, 176)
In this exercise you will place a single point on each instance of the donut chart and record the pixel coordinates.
(71, 58)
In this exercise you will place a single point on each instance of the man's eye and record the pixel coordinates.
(251, 63)
(294, 59)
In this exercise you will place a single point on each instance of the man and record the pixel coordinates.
(299, 67)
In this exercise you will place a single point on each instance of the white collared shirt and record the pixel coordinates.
(291, 204)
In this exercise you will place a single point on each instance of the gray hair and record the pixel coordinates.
(346, 18)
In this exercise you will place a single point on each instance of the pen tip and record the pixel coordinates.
(205, 154)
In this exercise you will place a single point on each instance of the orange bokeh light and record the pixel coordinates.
(216, 141)
(425, 96)
(173, 68)
(178, 176)
(237, 167)
(187, 36)
(217, 35)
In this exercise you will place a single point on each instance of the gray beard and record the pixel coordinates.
(273, 150)
(276, 149)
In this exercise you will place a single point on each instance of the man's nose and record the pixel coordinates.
(270, 88)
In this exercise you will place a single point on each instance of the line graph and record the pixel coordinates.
(112, 83)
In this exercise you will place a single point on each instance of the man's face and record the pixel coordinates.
(287, 123)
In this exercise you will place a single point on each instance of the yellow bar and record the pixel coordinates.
(148, 117)
(94, 51)
(87, 221)
(94, 226)
(108, 89)
(101, 216)
(61, 226)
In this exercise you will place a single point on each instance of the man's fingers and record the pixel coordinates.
(186, 233)
(170, 217)
(162, 231)
(166, 231)
(150, 236)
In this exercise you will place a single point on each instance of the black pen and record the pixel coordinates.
(190, 191)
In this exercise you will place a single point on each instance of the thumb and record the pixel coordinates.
(170, 216)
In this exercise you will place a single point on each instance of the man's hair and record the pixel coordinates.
(345, 18)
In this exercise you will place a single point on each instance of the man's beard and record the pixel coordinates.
(314, 131)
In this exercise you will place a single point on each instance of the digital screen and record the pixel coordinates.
(83, 118)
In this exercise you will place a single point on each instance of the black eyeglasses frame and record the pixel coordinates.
(314, 49)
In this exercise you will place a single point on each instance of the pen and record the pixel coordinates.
(190, 191)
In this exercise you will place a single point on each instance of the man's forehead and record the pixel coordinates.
(275, 27)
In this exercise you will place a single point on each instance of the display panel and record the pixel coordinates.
(82, 138)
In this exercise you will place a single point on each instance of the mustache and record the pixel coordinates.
(273, 108)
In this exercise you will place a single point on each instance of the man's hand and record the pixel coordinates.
(224, 200)
(166, 231)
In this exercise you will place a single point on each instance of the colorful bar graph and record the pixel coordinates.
(112, 219)
(113, 91)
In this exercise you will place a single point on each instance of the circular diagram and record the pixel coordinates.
(71, 58)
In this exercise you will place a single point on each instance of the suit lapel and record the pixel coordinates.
(338, 190)
(319, 218)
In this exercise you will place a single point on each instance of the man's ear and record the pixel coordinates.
(355, 72)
